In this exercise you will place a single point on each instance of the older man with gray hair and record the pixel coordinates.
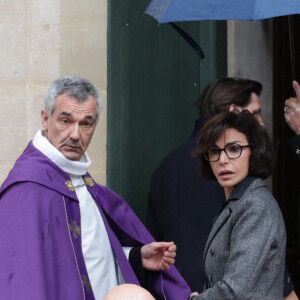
(63, 236)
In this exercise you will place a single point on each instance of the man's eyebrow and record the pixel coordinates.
(65, 113)
(89, 117)
(68, 114)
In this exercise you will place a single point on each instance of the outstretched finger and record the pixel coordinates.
(297, 90)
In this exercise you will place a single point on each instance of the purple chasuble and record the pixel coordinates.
(40, 250)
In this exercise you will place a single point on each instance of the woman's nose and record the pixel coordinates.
(223, 157)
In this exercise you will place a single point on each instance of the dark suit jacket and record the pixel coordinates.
(182, 206)
(295, 144)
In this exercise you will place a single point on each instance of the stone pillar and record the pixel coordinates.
(83, 53)
(41, 41)
(250, 55)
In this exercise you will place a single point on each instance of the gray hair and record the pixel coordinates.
(74, 86)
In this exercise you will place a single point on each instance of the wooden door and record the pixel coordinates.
(154, 77)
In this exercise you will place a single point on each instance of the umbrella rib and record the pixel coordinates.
(189, 40)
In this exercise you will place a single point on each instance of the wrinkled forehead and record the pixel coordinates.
(70, 105)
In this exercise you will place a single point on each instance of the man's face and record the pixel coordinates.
(253, 107)
(71, 126)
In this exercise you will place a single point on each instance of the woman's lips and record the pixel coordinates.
(225, 174)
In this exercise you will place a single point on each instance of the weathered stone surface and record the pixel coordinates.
(41, 41)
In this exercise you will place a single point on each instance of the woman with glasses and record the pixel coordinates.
(245, 251)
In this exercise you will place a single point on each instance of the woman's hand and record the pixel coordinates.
(158, 256)
(194, 294)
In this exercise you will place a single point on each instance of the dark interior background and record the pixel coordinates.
(286, 179)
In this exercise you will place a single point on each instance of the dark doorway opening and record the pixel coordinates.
(286, 179)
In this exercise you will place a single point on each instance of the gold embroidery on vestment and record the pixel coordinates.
(70, 185)
(75, 230)
(88, 181)
(86, 283)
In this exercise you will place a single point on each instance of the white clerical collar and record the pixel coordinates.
(69, 166)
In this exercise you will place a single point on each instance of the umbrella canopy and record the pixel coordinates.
(165, 11)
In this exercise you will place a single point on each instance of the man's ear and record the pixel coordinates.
(45, 119)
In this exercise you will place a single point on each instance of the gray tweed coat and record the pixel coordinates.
(244, 255)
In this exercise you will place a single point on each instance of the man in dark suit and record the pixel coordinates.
(181, 204)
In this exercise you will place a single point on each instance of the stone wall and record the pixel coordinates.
(250, 55)
(41, 41)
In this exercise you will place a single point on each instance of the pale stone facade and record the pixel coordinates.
(41, 41)
(253, 59)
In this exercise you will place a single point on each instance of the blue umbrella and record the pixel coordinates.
(168, 11)
(165, 11)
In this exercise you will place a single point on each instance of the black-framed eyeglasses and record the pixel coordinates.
(231, 150)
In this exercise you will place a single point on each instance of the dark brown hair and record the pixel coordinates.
(261, 162)
(221, 93)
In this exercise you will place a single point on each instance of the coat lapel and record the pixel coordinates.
(220, 221)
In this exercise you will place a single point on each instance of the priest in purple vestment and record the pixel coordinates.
(63, 236)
